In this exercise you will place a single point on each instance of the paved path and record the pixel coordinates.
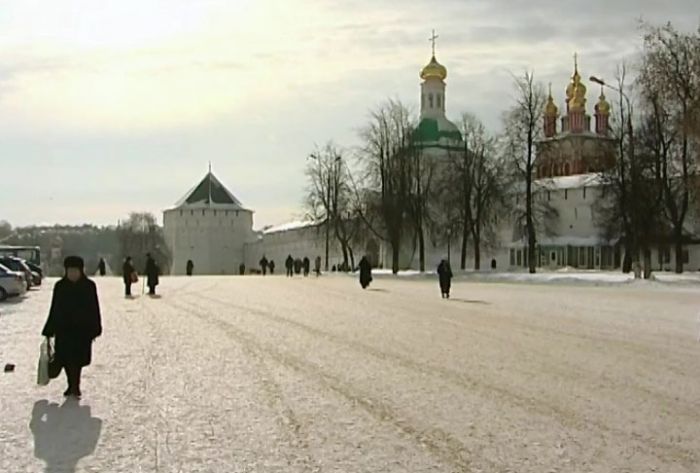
(275, 375)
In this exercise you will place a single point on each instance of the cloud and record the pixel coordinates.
(134, 98)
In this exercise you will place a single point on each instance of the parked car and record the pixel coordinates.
(17, 264)
(35, 268)
(12, 283)
(37, 273)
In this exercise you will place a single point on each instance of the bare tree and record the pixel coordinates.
(473, 185)
(5, 229)
(141, 234)
(387, 155)
(522, 132)
(330, 198)
(670, 88)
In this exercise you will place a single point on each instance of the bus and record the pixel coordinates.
(29, 253)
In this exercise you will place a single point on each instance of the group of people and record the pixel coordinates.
(265, 265)
(130, 275)
(299, 266)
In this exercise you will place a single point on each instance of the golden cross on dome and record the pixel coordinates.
(576, 61)
(432, 39)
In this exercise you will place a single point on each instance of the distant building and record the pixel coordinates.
(209, 226)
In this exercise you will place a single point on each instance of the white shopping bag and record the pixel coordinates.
(42, 377)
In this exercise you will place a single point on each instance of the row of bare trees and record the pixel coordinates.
(401, 194)
(651, 190)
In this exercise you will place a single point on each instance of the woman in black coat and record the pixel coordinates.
(74, 319)
(152, 272)
(365, 272)
(128, 272)
(445, 275)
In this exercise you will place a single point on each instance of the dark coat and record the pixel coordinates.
(289, 262)
(127, 271)
(365, 272)
(102, 267)
(190, 267)
(75, 321)
(151, 272)
(445, 276)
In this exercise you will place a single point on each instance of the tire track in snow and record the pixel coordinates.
(287, 420)
(567, 417)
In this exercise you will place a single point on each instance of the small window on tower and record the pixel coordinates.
(439, 101)
(430, 100)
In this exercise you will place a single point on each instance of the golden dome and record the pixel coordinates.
(434, 70)
(576, 91)
(550, 109)
(602, 107)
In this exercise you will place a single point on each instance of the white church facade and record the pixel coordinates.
(211, 227)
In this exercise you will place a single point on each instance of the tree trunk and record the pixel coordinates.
(344, 246)
(531, 238)
(395, 246)
(647, 263)
(465, 238)
(678, 243)
(477, 254)
(421, 250)
(352, 259)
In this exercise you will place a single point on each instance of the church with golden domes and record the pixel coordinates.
(211, 227)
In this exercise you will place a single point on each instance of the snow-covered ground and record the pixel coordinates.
(560, 276)
(252, 374)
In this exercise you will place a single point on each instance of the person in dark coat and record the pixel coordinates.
(152, 271)
(190, 267)
(445, 276)
(307, 266)
(74, 320)
(317, 266)
(128, 275)
(365, 272)
(289, 264)
(263, 265)
(241, 269)
(102, 267)
(272, 266)
(298, 265)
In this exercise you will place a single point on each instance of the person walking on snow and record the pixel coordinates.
(445, 277)
(128, 275)
(272, 267)
(289, 264)
(317, 266)
(190, 267)
(263, 265)
(306, 263)
(74, 320)
(102, 267)
(151, 272)
(365, 272)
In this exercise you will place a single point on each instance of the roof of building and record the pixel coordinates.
(210, 192)
(570, 182)
(433, 130)
(294, 225)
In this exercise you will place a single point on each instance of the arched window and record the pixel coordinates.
(439, 101)
(430, 100)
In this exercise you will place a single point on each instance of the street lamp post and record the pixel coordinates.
(633, 166)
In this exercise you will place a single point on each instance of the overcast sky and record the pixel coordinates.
(110, 107)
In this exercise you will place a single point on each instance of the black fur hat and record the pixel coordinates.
(74, 262)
